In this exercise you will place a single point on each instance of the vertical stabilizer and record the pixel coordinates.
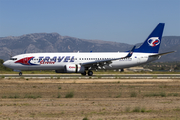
(152, 43)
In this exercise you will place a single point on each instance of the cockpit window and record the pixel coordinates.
(13, 58)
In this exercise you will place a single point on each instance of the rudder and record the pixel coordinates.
(152, 43)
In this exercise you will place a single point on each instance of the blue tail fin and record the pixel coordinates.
(152, 43)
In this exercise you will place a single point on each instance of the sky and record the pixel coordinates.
(124, 21)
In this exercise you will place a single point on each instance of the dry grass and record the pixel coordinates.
(89, 99)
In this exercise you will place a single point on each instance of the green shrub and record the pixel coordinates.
(143, 110)
(136, 109)
(151, 95)
(69, 95)
(172, 94)
(127, 109)
(4, 96)
(175, 94)
(15, 96)
(133, 94)
(163, 94)
(32, 96)
(59, 96)
(85, 118)
(2, 76)
(118, 96)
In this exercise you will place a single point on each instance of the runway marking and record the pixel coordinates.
(92, 77)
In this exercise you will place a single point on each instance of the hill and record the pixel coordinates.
(53, 42)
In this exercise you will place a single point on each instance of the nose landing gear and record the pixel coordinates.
(20, 73)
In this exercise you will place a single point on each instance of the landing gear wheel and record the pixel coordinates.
(90, 73)
(84, 73)
(20, 73)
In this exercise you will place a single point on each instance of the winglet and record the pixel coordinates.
(130, 52)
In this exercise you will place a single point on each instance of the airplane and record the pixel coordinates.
(81, 62)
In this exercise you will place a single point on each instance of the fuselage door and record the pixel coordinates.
(25, 63)
(25, 60)
(138, 59)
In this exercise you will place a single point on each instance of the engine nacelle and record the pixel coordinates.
(60, 71)
(71, 68)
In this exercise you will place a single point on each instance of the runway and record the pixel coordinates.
(95, 76)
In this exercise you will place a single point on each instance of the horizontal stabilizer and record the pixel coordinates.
(160, 54)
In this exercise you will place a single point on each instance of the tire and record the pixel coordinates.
(90, 73)
(84, 73)
(20, 73)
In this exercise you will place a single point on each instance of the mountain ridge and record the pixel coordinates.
(54, 42)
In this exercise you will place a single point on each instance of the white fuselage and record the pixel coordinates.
(57, 61)
(82, 62)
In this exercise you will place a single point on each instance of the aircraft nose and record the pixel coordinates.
(6, 63)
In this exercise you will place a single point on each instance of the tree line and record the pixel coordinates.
(163, 66)
(2, 67)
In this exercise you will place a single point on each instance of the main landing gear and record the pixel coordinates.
(122, 70)
(90, 73)
(84, 73)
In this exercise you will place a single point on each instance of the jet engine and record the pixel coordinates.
(71, 68)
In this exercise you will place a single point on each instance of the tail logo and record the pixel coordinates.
(153, 41)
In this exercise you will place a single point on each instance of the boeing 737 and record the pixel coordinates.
(86, 62)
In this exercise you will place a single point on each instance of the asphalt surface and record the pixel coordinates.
(135, 76)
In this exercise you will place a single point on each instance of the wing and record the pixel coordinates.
(107, 61)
